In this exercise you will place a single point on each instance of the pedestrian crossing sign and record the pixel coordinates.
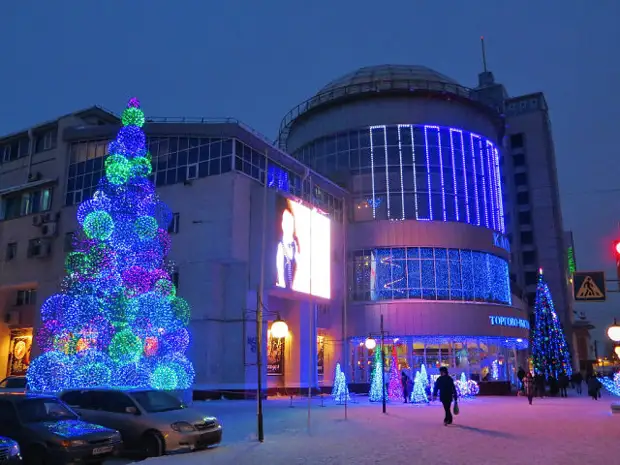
(589, 286)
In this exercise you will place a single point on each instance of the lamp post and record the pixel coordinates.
(370, 344)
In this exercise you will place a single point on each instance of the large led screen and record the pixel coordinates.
(303, 249)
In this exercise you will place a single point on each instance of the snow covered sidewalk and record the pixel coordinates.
(552, 431)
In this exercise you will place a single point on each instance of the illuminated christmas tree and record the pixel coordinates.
(340, 392)
(376, 378)
(424, 378)
(418, 394)
(117, 321)
(550, 353)
(612, 386)
(395, 386)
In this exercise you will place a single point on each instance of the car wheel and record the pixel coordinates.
(152, 445)
(34, 456)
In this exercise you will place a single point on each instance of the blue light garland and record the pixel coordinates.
(117, 321)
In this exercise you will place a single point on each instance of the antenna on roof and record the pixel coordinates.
(484, 54)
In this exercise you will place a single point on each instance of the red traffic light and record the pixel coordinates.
(617, 247)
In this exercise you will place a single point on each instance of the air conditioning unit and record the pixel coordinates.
(49, 229)
(12, 317)
(46, 217)
(36, 176)
(37, 220)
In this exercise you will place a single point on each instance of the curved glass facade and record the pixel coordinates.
(410, 171)
(430, 274)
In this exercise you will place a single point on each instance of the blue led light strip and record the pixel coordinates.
(456, 202)
(485, 204)
(372, 175)
(402, 183)
(465, 176)
(443, 186)
(428, 176)
(500, 194)
(489, 147)
(473, 164)
(415, 174)
(387, 173)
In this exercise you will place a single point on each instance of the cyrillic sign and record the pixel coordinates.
(509, 321)
(501, 241)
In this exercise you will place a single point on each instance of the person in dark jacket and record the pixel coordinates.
(594, 387)
(539, 382)
(520, 376)
(578, 379)
(528, 387)
(404, 380)
(563, 382)
(447, 391)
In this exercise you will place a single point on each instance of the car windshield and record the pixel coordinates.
(40, 410)
(157, 401)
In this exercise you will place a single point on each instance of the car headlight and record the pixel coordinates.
(182, 427)
(14, 450)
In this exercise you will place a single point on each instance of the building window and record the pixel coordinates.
(11, 251)
(529, 258)
(521, 179)
(38, 248)
(173, 228)
(518, 160)
(516, 141)
(531, 278)
(531, 299)
(523, 198)
(25, 203)
(68, 242)
(26, 297)
(527, 237)
(430, 274)
(525, 218)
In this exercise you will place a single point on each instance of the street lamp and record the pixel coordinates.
(279, 328)
(370, 344)
(613, 332)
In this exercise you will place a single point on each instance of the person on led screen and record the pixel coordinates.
(287, 256)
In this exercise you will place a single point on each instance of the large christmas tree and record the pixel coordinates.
(117, 321)
(377, 377)
(550, 353)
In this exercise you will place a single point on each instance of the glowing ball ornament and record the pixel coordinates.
(51, 372)
(181, 309)
(125, 347)
(98, 225)
(141, 166)
(117, 169)
(164, 378)
(78, 263)
(133, 139)
(370, 343)
(133, 116)
(165, 287)
(151, 346)
(146, 227)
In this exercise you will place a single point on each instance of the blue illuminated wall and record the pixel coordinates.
(410, 171)
(430, 274)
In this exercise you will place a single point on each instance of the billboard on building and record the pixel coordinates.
(303, 249)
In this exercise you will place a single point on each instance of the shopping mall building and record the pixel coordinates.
(384, 197)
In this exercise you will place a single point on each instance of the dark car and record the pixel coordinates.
(151, 422)
(49, 432)
(9, 452)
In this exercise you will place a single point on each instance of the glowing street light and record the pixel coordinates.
(279, 329)
(370, 343)
(613, 332)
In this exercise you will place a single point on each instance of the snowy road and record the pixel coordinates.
(552, 431)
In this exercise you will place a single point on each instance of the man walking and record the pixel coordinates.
(447, 391)
(528, 387)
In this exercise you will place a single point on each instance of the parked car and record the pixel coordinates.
(151, 422)
(13, 384)
(49, 432)
(9, 452)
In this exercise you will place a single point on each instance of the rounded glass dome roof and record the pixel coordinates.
(386, 73)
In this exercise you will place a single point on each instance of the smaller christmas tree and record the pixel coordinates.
(418, 395)
(424, 377)
(461, 386)
(395, 387)
(376, 378)
(340, 393)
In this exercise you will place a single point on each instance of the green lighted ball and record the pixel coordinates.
(98, 225)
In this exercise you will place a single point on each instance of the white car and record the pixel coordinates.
(13, 384)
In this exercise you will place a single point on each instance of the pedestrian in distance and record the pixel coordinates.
(520, 376)
(447, 392)
(539, 382)
(594, 387)
(563, 382)
(404, 380)
(578, 378)
(528, 387)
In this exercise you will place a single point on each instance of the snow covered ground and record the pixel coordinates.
(569, 431)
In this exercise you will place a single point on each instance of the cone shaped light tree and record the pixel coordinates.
(117, 321)
(340, 392)
(376, 378)
(418, 394)
(395, 386)
(550, 352)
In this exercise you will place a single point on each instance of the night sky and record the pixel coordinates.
(256, 60)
